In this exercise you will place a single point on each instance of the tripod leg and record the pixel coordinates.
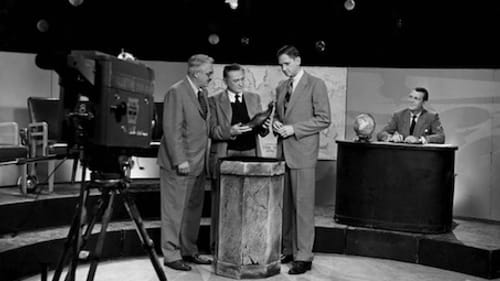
(84, 193)
(147, 243)
(98, 212)
(73, 234)
(67, 246)
(109, 198)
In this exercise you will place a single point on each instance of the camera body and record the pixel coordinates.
(108, 102)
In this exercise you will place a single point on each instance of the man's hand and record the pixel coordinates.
(267, 124)
(183, 168)
(396, 137)
(277, 125)
(412, 139)
(285, 131)
(238, 129)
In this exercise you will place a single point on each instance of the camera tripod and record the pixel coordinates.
(110, 186)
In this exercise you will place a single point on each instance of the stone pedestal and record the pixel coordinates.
(250, 195)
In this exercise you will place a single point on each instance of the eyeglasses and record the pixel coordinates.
(209, 74)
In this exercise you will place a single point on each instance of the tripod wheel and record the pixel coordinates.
(31, 183)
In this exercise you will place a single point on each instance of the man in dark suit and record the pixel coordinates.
(182, 158)
(414, 124)
(229, 111)
(302, 111)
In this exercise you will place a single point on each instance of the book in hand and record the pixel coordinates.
(260, 117)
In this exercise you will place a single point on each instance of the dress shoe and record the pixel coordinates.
(286, 258)
(299, 267)
(178, 265)
(196, 259)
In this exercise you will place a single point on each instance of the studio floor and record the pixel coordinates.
(33, 228)
(331, 267)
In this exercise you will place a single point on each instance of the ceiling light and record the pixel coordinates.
(245, 41)
(76, 3)
(42, 25)
(320, 46)
(213, 39)
(349, 5)
(232, 3)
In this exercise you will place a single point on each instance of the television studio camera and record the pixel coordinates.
(108, 114)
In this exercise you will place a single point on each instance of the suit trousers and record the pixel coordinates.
(298, 213)
(181, 208)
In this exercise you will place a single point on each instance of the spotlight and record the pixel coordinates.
(399, 23)
(232, 3)
(42, 25)
(213, 39)
(349, 5)
(320, 46)
(76, 3)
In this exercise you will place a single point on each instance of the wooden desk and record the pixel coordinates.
(395, 186)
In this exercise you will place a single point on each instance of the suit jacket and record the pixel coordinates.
(308, 111)
(185, 131)
(428, 125)
(221, 114)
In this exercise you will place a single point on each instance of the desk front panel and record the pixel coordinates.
(396, 187)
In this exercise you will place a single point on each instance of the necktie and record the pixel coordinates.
(289, 90)
(203, 104)
(412, 125)
(237, 96)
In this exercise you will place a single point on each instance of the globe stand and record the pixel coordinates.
(363, 139)
(110, 186)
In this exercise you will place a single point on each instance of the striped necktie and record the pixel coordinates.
(203, 104)
(289, 90)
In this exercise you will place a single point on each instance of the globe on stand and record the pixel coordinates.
(364, 126)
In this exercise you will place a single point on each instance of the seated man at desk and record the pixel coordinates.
(414, 124)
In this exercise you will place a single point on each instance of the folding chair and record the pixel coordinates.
(12, 151)
(45, 136)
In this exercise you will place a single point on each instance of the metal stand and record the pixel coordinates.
(83, 223)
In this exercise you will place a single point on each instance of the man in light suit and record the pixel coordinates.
(414, 124)
(229, 111)
(302, 111)
(182, 160)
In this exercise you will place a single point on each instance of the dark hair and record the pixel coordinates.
(231, 67)
(289, 50)
(423, 91)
